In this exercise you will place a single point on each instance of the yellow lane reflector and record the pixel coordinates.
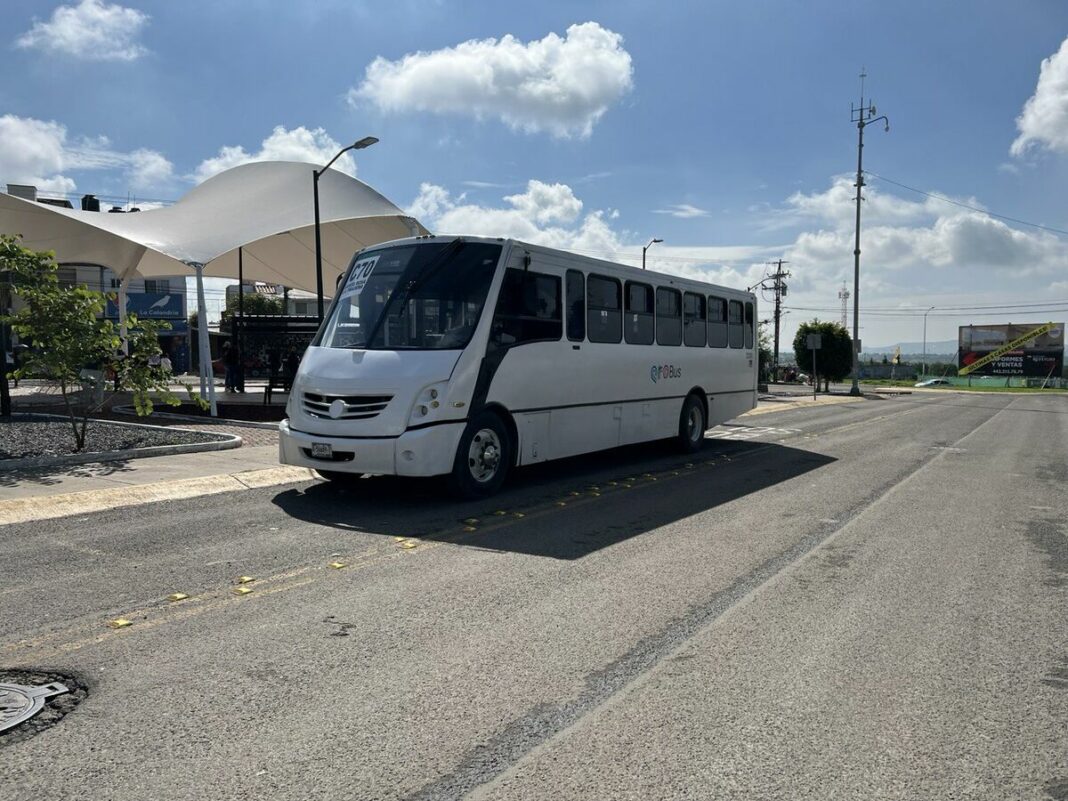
(500, 513)
(242, 590)
(409, 545)
(47, 507)
(338, 565)
(470, 528)
(561, 503)
(245, 580)
(400, 539)
(519, 514)
(471, 521)
(177, 596)
(119, 623)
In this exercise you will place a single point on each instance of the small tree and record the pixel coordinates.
(835, 358)
(764, 353)
(73, 346)
(255, 303)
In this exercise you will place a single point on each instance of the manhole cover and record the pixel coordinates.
(33, 700)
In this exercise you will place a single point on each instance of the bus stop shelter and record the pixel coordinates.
(252, 222)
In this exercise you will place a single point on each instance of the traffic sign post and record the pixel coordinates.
(815, 342)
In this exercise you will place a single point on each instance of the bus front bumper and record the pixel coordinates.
(424, 452)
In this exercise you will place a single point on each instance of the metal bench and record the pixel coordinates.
(275, 381)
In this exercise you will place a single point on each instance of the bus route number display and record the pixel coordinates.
(361, 271)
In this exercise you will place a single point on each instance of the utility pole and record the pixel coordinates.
(779, 288)
(780, 292)
(862, 116)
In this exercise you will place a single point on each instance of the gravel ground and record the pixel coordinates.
(24, 436)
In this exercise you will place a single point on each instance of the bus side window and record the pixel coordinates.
(528, 308)
(693, 320)
(576, 305)
(604, 311)
(737, 336)
(639, 324)
(717, 322)
(668, 317)
(748, 325)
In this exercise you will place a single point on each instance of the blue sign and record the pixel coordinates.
(151, 305)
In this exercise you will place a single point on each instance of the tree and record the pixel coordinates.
(73, 346)
(255, 303)
(835, 357)
(764, 352)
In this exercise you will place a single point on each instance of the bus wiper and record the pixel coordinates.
(429, 270)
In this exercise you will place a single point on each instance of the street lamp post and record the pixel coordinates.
(863, 116)
(360, 144)
(925, 340)
(651, 243)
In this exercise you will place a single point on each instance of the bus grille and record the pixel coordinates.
(354, 407)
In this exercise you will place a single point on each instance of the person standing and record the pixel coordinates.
(230, 359)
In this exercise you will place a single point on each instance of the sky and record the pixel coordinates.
(722, 128)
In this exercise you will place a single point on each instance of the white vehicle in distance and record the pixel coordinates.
(467, 356)
(933, 382)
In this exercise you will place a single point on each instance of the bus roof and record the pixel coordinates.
(590, 262)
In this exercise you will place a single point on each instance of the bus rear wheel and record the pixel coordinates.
(482, 457)
(692, 424)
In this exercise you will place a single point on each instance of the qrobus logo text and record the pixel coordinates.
(659, 371)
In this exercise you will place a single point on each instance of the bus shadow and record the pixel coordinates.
(525, 518)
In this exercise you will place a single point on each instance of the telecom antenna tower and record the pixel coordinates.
(843, 295)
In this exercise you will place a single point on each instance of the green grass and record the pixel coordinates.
(977, 386)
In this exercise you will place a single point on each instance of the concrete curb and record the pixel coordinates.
(223, 442)
(48, 507)
(189, 418)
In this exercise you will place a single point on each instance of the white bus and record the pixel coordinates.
(467, 356)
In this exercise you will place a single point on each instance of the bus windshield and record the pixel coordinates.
(422, 296)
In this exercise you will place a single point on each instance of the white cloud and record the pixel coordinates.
(314, 146)
(682, 210)
(90, 30)
(559, 85)
(551, 215)
(148, 169)
(900, 234)
(1044, 119)
(38, 152)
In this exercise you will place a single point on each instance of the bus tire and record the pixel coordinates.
(692, 424)
(482, 457)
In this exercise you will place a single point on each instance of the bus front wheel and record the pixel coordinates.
(482, 457)
(692, 424)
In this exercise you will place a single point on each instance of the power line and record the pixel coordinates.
(920, 313)
(950, 200)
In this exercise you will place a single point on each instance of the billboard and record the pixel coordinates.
(1038, 357)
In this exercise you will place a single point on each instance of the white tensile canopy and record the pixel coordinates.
(263, 210)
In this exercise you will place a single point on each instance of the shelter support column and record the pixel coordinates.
(123, 285)
(207, 380)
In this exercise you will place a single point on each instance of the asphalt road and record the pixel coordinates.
(864, 601)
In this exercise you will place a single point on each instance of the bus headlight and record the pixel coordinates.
(426, 403)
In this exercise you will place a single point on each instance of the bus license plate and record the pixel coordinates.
(322, 450)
